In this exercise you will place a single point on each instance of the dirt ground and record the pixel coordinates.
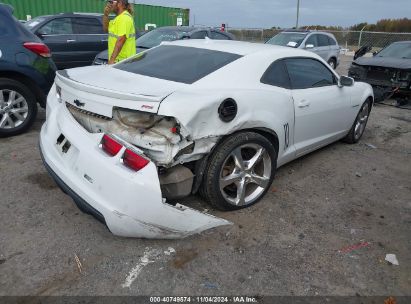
(324, 228)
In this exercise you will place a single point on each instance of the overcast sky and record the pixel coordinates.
(268, 13)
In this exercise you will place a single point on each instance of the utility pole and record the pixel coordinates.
(298, 13)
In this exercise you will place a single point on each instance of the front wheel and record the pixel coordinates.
(359, 125)
(332, 63)
(240, 171)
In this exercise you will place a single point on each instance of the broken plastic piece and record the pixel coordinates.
(391, 258)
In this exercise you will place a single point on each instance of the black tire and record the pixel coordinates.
(210, 188)
(352, 137)
(8, 85)
(332, 63)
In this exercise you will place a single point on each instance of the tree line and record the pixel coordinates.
(402, 25)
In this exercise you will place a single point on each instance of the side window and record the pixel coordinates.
(331, 41)
(308, 73)
(61, 26)
(218, 36)
(312, 40)
(276, 75)
(199, 35)
(323, 40)
(87, 26)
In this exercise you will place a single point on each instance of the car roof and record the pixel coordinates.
(70, 15)
(240, 47)
(6, 7)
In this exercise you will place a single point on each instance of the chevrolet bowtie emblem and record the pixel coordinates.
(79, 103)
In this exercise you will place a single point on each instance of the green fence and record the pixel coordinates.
(144, 14)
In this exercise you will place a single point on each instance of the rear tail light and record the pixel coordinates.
(110, 146)
(130, 159)
(134, 161)
(39, 48)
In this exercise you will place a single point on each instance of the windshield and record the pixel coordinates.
(177, 63)
(155, 37)
(396, 50)
(33, 22)
(288, 39)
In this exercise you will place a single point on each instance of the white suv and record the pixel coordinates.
(321, 43)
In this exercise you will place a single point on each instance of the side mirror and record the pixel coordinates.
(309, 46)
(345, 81)
(374, 53)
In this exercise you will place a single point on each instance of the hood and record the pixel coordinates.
(386, 62)
(100, 88)
(104, 54)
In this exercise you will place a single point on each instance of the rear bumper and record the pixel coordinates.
(130, 203)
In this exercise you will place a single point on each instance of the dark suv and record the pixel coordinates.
(73, 38)
(26, 74)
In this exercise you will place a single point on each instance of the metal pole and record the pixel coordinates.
(298, 13)
(359, 40)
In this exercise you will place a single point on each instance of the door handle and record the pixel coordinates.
(304, 104)
(104, 40)
(71, 40)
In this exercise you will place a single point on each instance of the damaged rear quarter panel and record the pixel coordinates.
(197, 111)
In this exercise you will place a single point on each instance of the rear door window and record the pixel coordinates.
(177, 63)
(276, 75)
(88, 26)
(308, 73)
(331, 41)
(60, 26)
(323, 40)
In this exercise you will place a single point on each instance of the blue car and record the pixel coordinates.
(26, 74)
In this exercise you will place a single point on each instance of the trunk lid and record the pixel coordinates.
(98, 89)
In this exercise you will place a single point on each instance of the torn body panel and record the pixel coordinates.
(130, 202)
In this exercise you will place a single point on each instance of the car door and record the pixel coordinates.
(321, 107)
(324, 47)
(59, 36)
(91, 39)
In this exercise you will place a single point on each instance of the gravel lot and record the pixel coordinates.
(323, 229)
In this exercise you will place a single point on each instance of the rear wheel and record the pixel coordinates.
(18, 107)
(240, 171)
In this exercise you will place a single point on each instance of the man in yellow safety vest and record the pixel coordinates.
(121, 31)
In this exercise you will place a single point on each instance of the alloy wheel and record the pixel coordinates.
(245, 174)
(361, 121)
(13, 109)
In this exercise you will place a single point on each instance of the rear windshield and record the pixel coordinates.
(177, 63)
(33, 22)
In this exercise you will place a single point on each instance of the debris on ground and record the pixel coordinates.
(392, 259)
(169, 251)
(354, 247)
(358, 174)
(148, 257)
(371, 146)
(79, 266)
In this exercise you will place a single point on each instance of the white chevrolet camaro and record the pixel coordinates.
(127, 141)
